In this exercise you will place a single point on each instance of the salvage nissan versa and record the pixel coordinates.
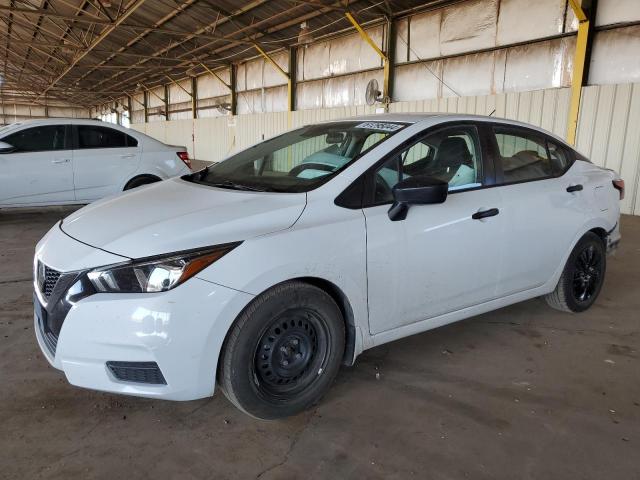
(265, 272)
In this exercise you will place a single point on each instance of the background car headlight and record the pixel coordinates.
(156, 274)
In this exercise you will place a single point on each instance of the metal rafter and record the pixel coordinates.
(208, 45)
(67, 48)
(129, 10)
(200, 30)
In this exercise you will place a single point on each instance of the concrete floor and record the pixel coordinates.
(520, 393)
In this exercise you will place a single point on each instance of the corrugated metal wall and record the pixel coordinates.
(11, 112)
(609, 134)
(608, 130)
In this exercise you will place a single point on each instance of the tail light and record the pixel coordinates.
(619, 185)
(184, 156)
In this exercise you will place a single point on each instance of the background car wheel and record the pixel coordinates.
(582, 277)
(283, 352)
(139, 181)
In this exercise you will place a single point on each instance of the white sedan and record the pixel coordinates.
(264, 273)
(69, 161)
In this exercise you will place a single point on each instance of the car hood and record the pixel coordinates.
(177, 215)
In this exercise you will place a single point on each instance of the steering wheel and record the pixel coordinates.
(295, 171)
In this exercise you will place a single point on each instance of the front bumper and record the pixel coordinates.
(180, 330)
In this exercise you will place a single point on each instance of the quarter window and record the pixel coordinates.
(451, 155)
(90, 136)
(37, 139)
(560, 158)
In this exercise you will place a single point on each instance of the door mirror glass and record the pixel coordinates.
(6, 148)
(418, 190)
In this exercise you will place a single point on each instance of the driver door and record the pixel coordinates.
(440, 258)
(39, 170)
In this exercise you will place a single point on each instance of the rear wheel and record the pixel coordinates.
(139, 181)
(283, 352)
(582, 277)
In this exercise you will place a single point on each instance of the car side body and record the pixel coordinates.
(61, 161)
(492, 243)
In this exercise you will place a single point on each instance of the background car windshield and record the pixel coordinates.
(300, 160)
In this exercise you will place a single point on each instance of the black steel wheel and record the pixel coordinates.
(587, 273)
(291, 352)
(582, 277)
(283, 352)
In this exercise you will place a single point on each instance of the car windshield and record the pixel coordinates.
(297, 161)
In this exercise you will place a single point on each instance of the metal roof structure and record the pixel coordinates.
(84, 52)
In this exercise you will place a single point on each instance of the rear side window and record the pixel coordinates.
(37, 139)
(523, 155)
(93, 136)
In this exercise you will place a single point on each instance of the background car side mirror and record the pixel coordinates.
(6, 148)
(419, 190)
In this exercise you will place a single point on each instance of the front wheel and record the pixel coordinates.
(283, 352)
(582, 277)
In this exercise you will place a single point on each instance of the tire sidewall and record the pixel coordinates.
(242, 379)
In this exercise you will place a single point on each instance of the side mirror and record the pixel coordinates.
(6, 148)
(419, 190)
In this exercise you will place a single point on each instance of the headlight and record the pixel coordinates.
(156, 274)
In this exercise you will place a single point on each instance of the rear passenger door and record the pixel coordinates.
(103, 158)
(533, 174)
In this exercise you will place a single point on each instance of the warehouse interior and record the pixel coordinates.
(522, 392)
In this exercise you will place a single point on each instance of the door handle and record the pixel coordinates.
(128, 155)
(492, 212)
(574, 188)
(61, 160)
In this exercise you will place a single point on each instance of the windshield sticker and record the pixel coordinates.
(382, 126)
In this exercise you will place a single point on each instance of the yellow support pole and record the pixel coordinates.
(385, 58)
(285, 74)
(579, 60)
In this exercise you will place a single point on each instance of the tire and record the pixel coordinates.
(582, 277)
(283, 351)
(139, 181)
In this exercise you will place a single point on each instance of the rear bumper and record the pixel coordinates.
(613, 239)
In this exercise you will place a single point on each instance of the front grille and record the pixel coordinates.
(137, 372)
(51, 278)
(50, 340)
(47, 279)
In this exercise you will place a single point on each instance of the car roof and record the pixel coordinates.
(58, 120)
(437, 117)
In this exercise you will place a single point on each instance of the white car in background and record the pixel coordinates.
(267, 271)
(61, 161)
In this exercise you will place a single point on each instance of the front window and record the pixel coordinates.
(37, 139)
(297, 161)
(451, 155)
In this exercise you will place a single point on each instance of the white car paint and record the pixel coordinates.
(78, 176)
(398, 278)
